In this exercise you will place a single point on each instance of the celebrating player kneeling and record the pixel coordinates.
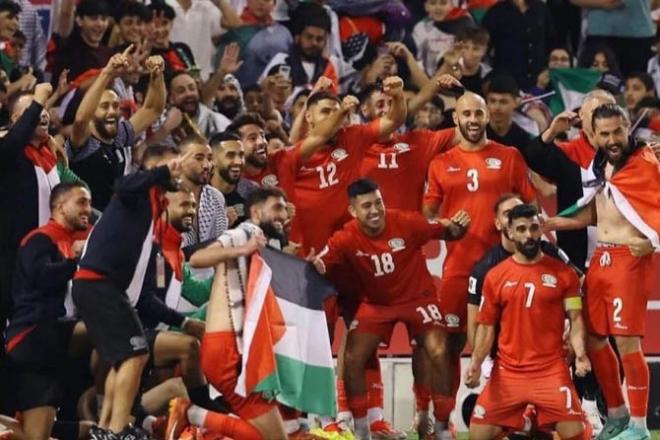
(384, 250)
(525, 299)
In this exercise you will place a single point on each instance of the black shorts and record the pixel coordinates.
(38, 365)
(113, 325)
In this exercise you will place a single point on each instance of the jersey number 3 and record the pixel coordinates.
(473, 175)
(383, 264)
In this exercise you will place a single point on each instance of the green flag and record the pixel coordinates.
(571, 86)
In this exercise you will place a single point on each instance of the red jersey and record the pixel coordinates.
(321, 183)
(280, 171)
(474, 181)
(390, 268)
(526, 301)
(579, 150)
(399, 166)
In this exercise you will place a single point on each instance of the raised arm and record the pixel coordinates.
(417, 75)
(393, 86)
(229, 64)
(324, 131)
(230, 19)
(22, 130)
(65, 18)
(154, 102)
(80, 131)
(439, 82)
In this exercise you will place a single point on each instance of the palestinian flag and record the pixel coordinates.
(634, 192)
(571, 86)
(286, 345)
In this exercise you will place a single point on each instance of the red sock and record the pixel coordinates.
(422, 396)
(374, 385)
(442, 407)
(456, 379)
(606, 368)
(358, 405)
(637, 381)
(230, 426)
(342, 401)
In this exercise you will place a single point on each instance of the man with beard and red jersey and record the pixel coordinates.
(473, 174)
(384, 250)
(526, 299)
(622, 199)
(42, 326)
(211, 217)
(101, 146)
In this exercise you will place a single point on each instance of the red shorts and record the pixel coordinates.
(618, 286)
(507, 394)
(419, 317)
(220, 363)
(453, 303)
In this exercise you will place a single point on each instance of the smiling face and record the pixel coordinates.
(159, 32)
(131, 29)
(197, 168)
(611, 136)
(229, 159)
(106, 116)
(75, 208)
(471, 117)
(181, 210)
(22, 103)
(271, 216)
(8, 25)
(559, 59)
(184, 94)
(369, 210)
(92, 28)
(376, 105)
(438, 9)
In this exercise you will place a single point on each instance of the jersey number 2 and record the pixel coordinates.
(473, 175)
(383, 264)
(327, 175)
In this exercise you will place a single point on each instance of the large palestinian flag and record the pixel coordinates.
(571, 86)
(286, 345)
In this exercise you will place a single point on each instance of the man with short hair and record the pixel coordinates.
(107, 286)
(178, 56)
(211, 216)
(384, 250)
(503, 97)
(623, 203)
(42, 326)
(132, 19)
(525, 301)
(229, 160)
(306, 60)
(101, 146)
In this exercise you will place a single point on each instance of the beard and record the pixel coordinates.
(272, 230)
(227, 177)
(229, 106)
(183, 224)
(256, 161)
(107, 131)
(472, 137)
(530, 248)
(616, 152)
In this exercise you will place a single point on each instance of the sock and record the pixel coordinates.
(374, 415)
(362, 428)
(637, 381)
(147, 423)
(442, 407)
(342, 400)
(230, 426)
(439, 426)
(606, 368)
(358, 406)
(197, 415)
(374, 383)
(422, 396)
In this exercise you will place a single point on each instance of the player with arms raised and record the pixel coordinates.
(526, 299)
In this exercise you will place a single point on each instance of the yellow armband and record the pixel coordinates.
(574, 303)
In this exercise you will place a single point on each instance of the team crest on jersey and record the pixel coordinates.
(479, 412)
(401, 147)
(549, 280)
(452, 320)
(397, 244)
(339, 154)
(493, 163)
(269, 180)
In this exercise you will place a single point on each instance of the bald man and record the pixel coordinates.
(471, 176)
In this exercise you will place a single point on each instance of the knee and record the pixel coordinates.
(191, 347)
(628, 344)
(353, 363)
(438, 355)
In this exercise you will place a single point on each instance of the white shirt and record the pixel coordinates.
(196, 27)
